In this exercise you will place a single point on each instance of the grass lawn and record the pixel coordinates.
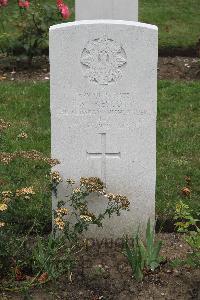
(26, 107)
(178, 144)
(178, 21)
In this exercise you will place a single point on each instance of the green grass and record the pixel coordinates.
(26, 107)
(178, 144)
(178, 20)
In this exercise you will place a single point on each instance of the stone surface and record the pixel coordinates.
(103, 110)
(107, 9)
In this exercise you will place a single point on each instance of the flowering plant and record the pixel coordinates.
(3, 2)
(58, 249)
(78, 200)
(63, 8)
(31, 20)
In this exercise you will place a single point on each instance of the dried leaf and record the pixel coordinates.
(19, 276)
(186, 191)
(43, 278)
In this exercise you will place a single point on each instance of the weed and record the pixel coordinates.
(187, 224)
(141, 255)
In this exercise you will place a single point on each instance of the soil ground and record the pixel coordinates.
(177, 68)
(102, 272)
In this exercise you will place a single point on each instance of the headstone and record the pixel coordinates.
(107, 9)
(103, 113)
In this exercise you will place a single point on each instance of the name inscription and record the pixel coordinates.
(103, 102)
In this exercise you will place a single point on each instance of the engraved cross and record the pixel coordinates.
(103, 155)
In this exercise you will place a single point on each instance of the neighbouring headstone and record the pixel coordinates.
(107, 9)
(103, 113)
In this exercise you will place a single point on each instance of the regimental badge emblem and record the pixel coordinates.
(103, 61)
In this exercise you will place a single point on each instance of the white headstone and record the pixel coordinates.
(107, 9)
(103, 113)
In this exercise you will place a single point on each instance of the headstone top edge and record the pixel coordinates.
(106, 9)
(108, 22)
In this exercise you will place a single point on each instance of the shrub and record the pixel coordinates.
(78, 200)
(31, 21)
(49, 257)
